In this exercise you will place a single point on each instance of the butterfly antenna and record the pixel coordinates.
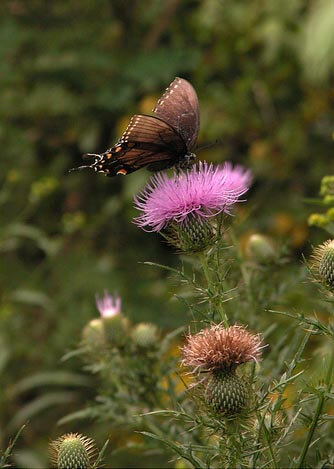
(209, 145)
(79, 168)
(88, 156)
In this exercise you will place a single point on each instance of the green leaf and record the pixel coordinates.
(51, 378)
(40, 404)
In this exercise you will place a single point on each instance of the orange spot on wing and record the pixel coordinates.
(123, 172)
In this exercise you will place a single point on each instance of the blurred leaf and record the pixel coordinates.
(84, 414)
(40, 404)
(317, 41)
(4, 353)
(32, 297)
(52, 378)
(19, 230)
(29, 458)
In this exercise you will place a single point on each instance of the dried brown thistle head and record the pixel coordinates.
(220, 348)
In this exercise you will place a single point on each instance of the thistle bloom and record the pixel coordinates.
(218, 351)
(218, 348)
(204, 191)
(108, 305)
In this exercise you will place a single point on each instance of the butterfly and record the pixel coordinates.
(157, 142)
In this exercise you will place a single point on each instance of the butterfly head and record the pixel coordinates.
(95, 162)
(187, 161)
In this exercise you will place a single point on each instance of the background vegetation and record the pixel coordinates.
(72, 74)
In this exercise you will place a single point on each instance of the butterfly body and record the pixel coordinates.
(156, 142)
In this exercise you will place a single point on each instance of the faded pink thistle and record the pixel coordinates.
(108, 305)
(218, 348)
(205, 191)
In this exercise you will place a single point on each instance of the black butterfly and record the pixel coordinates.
(158, 142)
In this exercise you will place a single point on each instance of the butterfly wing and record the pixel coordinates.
(179, 107)
(147, 141)
(159, 141)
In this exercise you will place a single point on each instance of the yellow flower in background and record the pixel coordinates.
(13, 176)
(147, 104)
(42, 188)
(122, 124)
(283, 223)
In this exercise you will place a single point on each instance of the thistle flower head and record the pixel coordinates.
(108, 305)
(323, 264)
(204, 191)
(72, 451)
(219, 348)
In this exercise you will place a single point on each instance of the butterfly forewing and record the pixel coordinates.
(146, 141)
(179, 107)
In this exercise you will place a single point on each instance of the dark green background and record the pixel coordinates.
(72, 74)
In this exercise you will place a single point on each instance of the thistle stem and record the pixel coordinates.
(318, 412)
(268, 442)
(212, 289)
(243, 270)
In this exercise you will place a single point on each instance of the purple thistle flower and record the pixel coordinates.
(108, 305)
(204, 191)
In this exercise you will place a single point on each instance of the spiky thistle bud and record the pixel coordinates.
(219, 351)
(194, 234)
(226, 393)
(72, 451)
(145, 335)
(323, 264)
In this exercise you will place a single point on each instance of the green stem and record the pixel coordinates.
(212, 290)
(290, 369)
(244, 271)
(264, 430)
(317, 413)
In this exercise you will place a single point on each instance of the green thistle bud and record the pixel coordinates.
(323, 264)
(72, 451)
(145, 335)
(93, 336)
(260, 248)
(194, 234)
(226, 393)
(116, 330)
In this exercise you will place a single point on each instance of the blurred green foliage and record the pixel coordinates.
(72, 73)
